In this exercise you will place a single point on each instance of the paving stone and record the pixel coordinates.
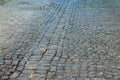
(20, 68)
(8, 62)
(84, 75)
(56, 58)
(51, 75)
(98, 78)
(25, 74)
(14, 75)
(1, 55)
(7, 57)
(22, 63)
(66, 74)
(1, 62)
(35, 77)
(15, 62)
(42, 71)
(83, 78)
(34, 58)
(53, 68)
(31, 65)
(4, 77)
(92, 74)
(84, 66)
(23, 78)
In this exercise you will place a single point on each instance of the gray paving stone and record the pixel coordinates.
(8, 62)
(4, 77)
(15, 62)
(41, 71)
(22, 63)
(23, 78)
(98, 78)
(14, 75)
(53, 68)
(1, 62)
(20, 68)
(31, 65)
(83, 78)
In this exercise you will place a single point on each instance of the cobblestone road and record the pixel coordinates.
(74, 40)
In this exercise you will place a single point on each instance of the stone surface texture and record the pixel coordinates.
(60, 40)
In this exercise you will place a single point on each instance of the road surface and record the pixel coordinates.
(62, 40)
